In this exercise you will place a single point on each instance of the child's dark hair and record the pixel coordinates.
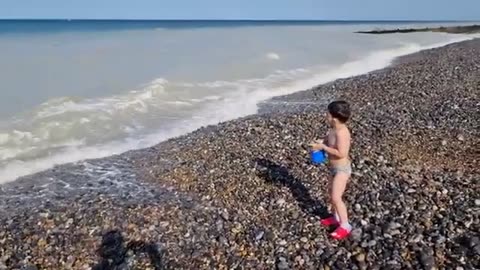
(340, 109)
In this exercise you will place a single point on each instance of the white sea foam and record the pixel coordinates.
(273, 56)
(179, 103)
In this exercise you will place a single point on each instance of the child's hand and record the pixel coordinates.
(317, 145)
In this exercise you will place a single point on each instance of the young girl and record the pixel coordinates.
(337, 145)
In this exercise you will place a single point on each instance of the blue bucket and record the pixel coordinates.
(318, 157)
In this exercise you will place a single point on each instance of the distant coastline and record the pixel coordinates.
(467, 29)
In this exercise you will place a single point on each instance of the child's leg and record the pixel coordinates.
(331, 207)
(333, 219)
(338, 187)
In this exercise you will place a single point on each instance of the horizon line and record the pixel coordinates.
(230, 20)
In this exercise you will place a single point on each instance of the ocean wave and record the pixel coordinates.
(135, 100)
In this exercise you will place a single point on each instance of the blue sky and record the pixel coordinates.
(244, 9)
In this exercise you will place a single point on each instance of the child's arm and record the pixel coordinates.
(343, 145)
(325, 139)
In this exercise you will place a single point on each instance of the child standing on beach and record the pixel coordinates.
(337, 146)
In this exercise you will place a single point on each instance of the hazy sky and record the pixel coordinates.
(244, 9)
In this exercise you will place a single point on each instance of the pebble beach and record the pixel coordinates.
(244, 195)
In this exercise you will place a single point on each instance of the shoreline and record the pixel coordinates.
(246, 195)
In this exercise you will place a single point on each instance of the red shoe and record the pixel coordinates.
(340, 233)
(330, 221)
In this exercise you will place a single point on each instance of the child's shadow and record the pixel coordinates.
(280, 175)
